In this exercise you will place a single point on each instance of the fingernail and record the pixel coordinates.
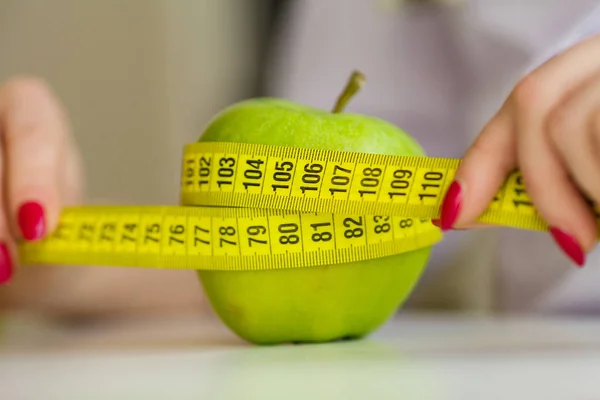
(451, 206)
(31, 221)
(569, 245)
(436, 222)
(6, 270)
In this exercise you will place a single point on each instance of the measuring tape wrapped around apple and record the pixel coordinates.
(272, 186)
(253, 206)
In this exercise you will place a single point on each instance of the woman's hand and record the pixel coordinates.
(40, 168)
(40, 174)
(548, 128)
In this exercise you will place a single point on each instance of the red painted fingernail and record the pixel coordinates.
(436, 222)
(31, 221)
(569, 245)
(451, 206)
(6, 269)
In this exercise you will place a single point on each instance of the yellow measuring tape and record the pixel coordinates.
(256, 207)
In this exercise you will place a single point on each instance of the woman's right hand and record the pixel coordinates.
(548, 128)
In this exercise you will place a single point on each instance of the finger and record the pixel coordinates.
(33, 142)
(72, 186)
(555, 196)
(481, 173)
(573, 126)
(7, 252)
(464, 227)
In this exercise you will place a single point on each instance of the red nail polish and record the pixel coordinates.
(6, 269)
(31, 221)
(436, 222)
(451, 206)
(569, 245)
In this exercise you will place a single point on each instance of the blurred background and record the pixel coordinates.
(139, 78)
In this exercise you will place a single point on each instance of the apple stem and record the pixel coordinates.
(354, 84)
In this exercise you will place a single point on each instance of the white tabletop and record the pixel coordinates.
(412, 357)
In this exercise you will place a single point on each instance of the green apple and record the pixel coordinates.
(320, 304)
